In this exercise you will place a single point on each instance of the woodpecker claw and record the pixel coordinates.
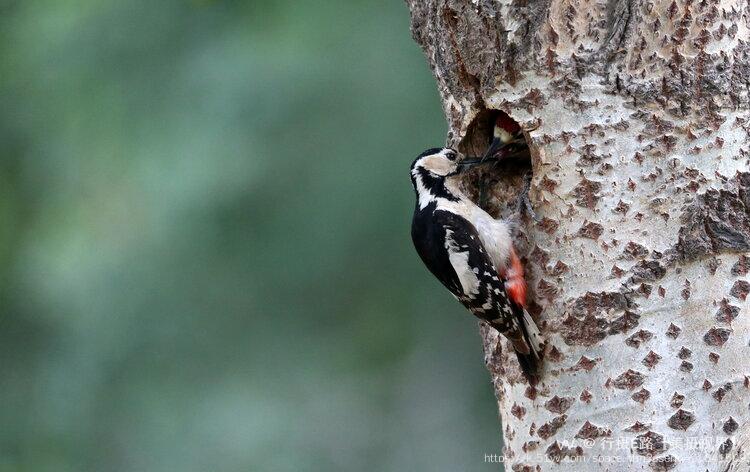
(525, 202)
(530, 209)
(482, 203)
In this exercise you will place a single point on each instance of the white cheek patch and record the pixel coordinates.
(438, 165)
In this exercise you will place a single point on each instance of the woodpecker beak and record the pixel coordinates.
(495, 146)
(470, 163)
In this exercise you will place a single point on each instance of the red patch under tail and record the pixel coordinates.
(515, 284)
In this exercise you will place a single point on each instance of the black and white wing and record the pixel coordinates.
(456, 256)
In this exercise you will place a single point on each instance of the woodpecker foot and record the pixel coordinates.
(530, 209)
(524, 203)
(482, 203)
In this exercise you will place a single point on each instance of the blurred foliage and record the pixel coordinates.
(205, 261)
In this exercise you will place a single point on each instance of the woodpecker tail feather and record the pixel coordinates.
(532, 333)
(530, 356)
(529, 366)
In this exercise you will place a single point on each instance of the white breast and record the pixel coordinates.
(495, 236)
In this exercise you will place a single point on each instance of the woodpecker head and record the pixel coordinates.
(431, 169)
(506, 128)
(438, 162)
(506, 131)
(429, 172)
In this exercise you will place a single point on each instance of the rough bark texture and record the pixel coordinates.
(639, 267)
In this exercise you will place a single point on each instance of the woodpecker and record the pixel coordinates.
(505, 132)
(506, 144)
(472, 254)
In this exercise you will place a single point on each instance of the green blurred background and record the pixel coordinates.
(205, 261)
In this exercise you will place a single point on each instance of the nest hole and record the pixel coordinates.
(497, 187)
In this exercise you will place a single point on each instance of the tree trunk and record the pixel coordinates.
(637, 118)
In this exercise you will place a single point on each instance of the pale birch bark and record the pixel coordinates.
(638, 267)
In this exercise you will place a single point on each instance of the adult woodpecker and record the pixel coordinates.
(472, 254)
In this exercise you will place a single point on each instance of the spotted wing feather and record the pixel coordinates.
(464, 267)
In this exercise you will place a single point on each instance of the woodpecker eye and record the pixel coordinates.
(451, 155)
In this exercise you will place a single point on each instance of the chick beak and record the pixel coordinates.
(495, 146)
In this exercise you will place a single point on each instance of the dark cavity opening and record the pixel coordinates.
(498, 188)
